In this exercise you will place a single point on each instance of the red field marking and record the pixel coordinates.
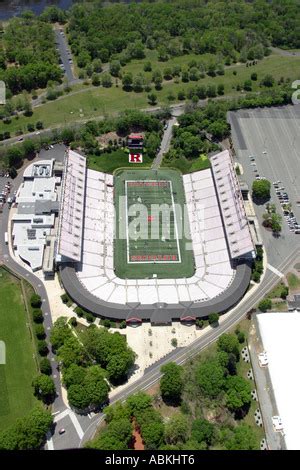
(153, 258)
(150, 218)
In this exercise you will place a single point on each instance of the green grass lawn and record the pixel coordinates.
(293, 281)
(158, 244)
(91, 103)
(187, 166)
(109, 162)
(16, 393)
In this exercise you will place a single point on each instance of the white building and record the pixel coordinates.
(35, 222)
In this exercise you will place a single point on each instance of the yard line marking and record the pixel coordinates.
(76, 424)
(275, 271)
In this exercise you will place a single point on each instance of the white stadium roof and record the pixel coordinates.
(280, 337)
(72, 207)
(231, 201)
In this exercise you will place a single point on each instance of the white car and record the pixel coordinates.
(37, 133)
(264, 152)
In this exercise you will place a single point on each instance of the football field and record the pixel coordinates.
(149, 240)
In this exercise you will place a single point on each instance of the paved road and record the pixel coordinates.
(64, 52)
(165, 143)
(285, 53)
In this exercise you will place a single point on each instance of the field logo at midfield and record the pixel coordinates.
(296, 94)
(2, 353)
(2, 92)
(135, 158)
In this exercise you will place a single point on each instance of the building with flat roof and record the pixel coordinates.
(34, 222)
(280, 336)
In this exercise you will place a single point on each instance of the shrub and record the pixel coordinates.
(174, 342)
(122, 325)
(35, 301)
(89, 317)
(64, 298)
(265, 304)
(106, 323)
(241, 337)
(45, 366)
(37, 316)
(42, 347)
(213, 319)
(73, 321)
(40, 331)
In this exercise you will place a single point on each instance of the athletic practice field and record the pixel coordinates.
(151, 239)
(16, 392)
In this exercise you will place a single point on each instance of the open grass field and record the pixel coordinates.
(150, 237)
(293, 281)
(187, 166)
(16, 393)
(92, 102)
(109, 162)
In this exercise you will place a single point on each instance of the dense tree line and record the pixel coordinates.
(28, 432)
(212, 385)
(235, 30)
(28, 59)
(89, 361)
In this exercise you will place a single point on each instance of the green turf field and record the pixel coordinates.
(150, 237)
(16, 393)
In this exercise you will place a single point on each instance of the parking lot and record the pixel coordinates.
(271, 138)
(65, 55)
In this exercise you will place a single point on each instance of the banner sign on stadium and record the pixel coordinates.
(135, 158)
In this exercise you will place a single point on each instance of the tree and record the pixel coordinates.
(213, 319)
(78, 396)
(71, 352)
(37, 316)
(261, 189)
(202, 431)
(176, 429)
(60, 333)
(243, 439)
(152, 99)
(45, 366)
(265, 304)
(73, 375)
(229, 343)
(220, 89)
(138, 402)
(107, 441)
(147, 66)
(40, 331)
(96, 79)
(42, 347)
(171, 383)
(97, 65)
(44, 387)
(238, 392)
(247, 85)
(35, 301)
(39, 125)
(106, 81)
(28, 432)
(114, 68)
(119, 365)
(138, 83)
(210, 378)
(157, 79)
(152, 432)
(127, 81)
(268, 81)
(254, 76)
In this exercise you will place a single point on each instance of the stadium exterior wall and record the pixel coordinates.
(157, 313)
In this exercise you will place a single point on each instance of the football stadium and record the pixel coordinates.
(153, 244)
